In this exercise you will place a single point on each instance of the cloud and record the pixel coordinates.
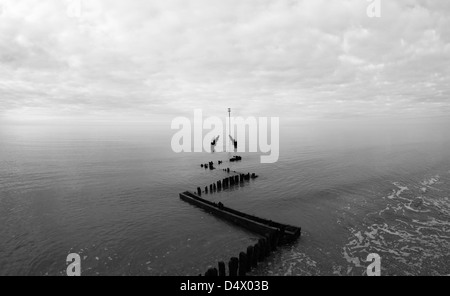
(112, 59)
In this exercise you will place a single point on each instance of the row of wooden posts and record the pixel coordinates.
(227, 182)
(242, 265)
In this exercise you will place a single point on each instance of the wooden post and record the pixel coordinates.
(199, 191)
(233, 266)
(242, 264)
(275, 241)
(268, 247)
(255, 255)
(222, 271)
(211, 272)
(236, 179)
(219, 185)
(262, 248)
(206, 189)
(269, 237)
(249, 258)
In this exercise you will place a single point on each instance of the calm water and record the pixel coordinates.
(111, 195)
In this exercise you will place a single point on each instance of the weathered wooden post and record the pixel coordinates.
(210, 188)
(219, 185)
(211, 272)
(241, 177)
(249, 258)
(236, 179)
(275, 239)
(242, 264)
(233, 266)
(262, 249)
(255, 255)
(199, 191)
(269, 238)
(268, 247)
(222, 271)
(214, 187)
(206, 189)
(231, 181)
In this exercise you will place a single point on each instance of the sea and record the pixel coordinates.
(110, 193)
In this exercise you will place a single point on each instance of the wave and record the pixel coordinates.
(412, 235)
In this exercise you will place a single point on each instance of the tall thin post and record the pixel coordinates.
(229, 127)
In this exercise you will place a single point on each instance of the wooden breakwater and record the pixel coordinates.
(273, 234)
(226, 182)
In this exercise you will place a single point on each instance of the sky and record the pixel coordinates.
(100, 60)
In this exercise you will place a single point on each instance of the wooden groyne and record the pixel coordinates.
(226, 183)
(284, 233)
(272, 235)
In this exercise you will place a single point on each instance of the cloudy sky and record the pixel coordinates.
(141, 59)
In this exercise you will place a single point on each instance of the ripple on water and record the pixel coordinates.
(412, 238)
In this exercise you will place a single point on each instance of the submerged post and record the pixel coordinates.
(211, 272)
